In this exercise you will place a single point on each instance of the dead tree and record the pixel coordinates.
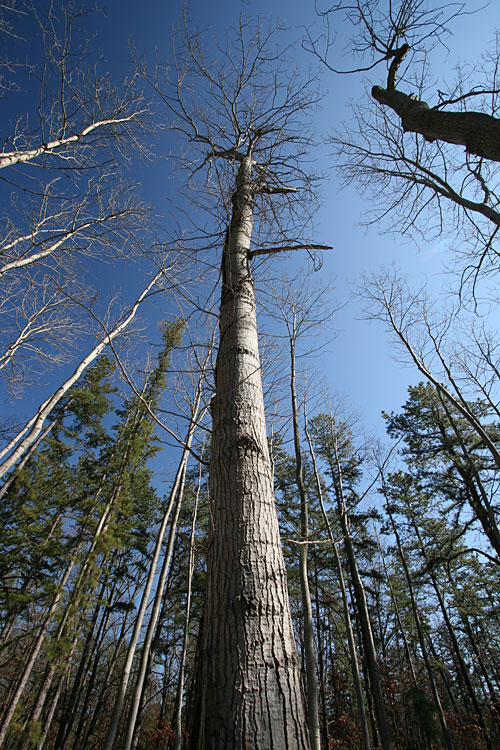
(243, 115)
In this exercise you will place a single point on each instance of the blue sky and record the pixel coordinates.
(359, 361)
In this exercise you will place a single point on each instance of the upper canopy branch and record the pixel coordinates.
(398, 56)
(477, 131)
(389, 30)
(11, 158)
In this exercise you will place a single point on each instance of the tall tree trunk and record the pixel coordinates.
(491, 694)
(85, 729)
(463, 669)
(157, 603)
(362, 610)
(43, 693)
(127, 667)
(248, 691)
(182, 665)
(478, 497)
(23, 680)
(72, 701)
(99, 636)
(406, 645)
(321, 662)
(421, 637)
(365, 736)
(50, 715)
(159, 633)
(309, 646)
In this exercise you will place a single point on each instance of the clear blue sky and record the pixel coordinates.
(358, 363)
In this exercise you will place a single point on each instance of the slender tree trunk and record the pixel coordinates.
(396, 612)
(365, 736)
(248, 691)
(368, 641)
(120, 696)
(309, 646)
(72, 702)
(478, 496)
(99, 636)
(493, 696)
(443, 673)
(80, 594)
(421, 637)
(362, 610)
(22, 442)
(175, 494)
(321, 663)
(34, 569)
(462, 667)
(101, 700)
(157, 602)
(22, 463)
(9, 714)
(50, 716)
(182, 665)
(45, 688)
(155, 643)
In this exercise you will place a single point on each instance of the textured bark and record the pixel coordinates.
(478, 132)
(248, 694)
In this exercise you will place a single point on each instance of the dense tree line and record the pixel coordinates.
(416, 572)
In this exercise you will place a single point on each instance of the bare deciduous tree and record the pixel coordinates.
(241, 112)
(67, 132)
(402, 149)
(302, 310)
(460, 376)
(28, 434)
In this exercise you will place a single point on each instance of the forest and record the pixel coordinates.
(202, 546)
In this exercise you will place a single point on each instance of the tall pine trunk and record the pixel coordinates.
(353, 656)
(362, 610)
(178, 740)
(448, 741)
(248, 693)
(309, 644)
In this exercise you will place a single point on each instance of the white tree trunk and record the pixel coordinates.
(31, 430)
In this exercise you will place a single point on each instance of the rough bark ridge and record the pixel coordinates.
(478, 132)
(249, 687)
